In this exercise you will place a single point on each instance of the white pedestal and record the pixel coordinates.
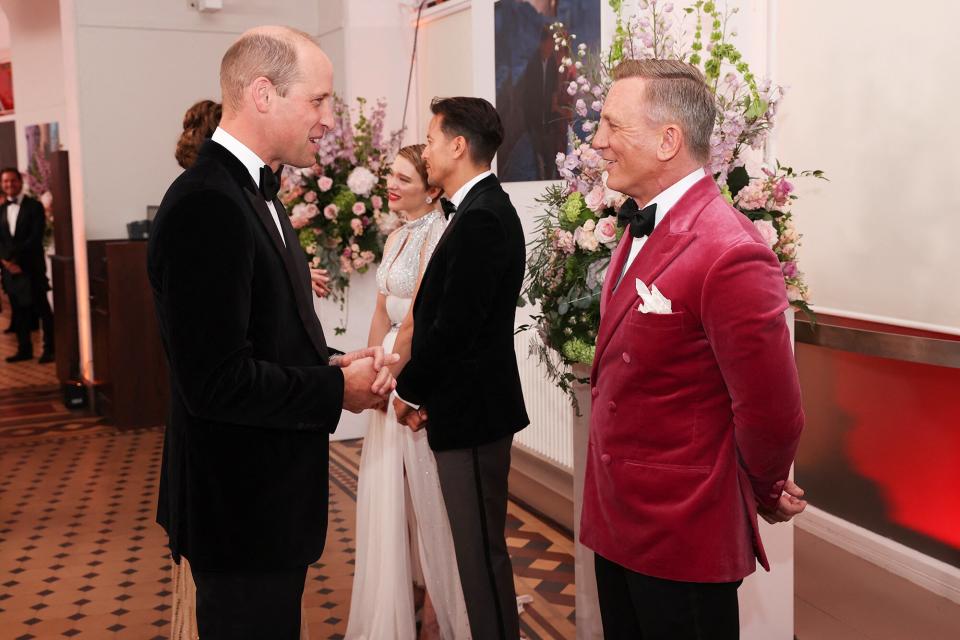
(588, 608)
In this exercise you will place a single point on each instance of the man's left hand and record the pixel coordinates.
(384, 384)
(790, 504)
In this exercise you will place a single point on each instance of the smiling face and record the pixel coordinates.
(11, 183)
(406, 191)
(629, 140)
(305, 114)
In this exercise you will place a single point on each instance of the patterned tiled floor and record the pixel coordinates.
(81, 556)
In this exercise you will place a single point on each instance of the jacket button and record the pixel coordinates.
(605, 458)
(626, 357)
(612, 406)
(595, 392)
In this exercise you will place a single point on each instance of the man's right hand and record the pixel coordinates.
(364, 387)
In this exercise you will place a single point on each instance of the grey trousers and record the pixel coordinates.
(474, 486)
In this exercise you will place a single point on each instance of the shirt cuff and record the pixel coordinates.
(409, 404)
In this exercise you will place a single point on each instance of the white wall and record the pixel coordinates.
(37, 57)
(872, 102)
(140, 65)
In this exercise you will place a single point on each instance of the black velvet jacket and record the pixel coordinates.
(463, 367)
(253, 400)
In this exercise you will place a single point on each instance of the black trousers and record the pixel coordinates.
(25, 313)
(474, 486)
(249, 605)
(638, 607)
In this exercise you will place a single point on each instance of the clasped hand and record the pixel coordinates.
(367, 381)
(416, 419)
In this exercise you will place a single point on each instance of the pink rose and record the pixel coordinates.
(789, 269)
(330, 211)
(325, 183)
(357, 226)
(377, 202)
(595, 200)
(312, 211)
(298, 222)
(606, 230)
(359, 209)
(767, 231)
(794, 294)
(310, 196)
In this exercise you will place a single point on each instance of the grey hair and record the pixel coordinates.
(676, 91)
(270, 52)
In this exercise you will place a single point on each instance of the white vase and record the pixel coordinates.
(587, 606)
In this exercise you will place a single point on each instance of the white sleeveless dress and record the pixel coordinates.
(401, 517)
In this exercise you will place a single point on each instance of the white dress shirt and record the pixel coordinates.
(13, 212)
(252, 162)
(465, 189)
(664, 201)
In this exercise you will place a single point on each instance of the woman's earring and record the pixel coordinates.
(429, 200)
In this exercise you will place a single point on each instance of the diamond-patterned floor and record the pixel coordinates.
(81, 555)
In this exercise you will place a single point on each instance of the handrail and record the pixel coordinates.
(881, 344)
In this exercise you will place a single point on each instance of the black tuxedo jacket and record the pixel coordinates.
(24, 244)
(463, 367)
(253, 400)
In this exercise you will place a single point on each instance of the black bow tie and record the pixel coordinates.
(269, 183)
(448, 208)
(641, 220)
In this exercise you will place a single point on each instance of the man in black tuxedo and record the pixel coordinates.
(462, 381)
(254, 390)
(23, 266)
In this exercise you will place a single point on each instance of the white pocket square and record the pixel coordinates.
(652, 300)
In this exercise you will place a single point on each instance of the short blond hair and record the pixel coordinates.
(676, 91)
(270, 52)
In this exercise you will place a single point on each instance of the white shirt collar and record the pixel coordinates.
(465, 189)
(250, 160)
(667, 198)
(18, 198)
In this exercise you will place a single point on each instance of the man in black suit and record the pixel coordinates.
(254, 390)
(462, 381)
(23, 266)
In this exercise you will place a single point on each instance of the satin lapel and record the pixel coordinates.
(308, 318)
(296, 264)
(480, 187)
(658, 252)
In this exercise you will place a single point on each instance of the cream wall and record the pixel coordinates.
(37, 58)
(140, 64)
(872, 103)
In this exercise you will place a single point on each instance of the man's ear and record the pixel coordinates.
(671, 140)
(261, 92)
(459, 147)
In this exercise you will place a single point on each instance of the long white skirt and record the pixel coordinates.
(381, 607)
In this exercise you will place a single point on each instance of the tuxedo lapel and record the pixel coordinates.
(286, 253)
(610, 282)
(299, 272)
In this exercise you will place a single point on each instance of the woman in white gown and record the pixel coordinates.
(402, 526)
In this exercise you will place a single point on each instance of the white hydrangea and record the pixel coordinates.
(361, 181)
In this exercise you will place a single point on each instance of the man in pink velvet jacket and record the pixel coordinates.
(696, 402)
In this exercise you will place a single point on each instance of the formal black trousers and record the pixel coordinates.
(249, 605)
(474, 486)
(25, 312)
(634, 606)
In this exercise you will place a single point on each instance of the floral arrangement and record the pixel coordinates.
(578, 232)
(38, 185)
(337, 205)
